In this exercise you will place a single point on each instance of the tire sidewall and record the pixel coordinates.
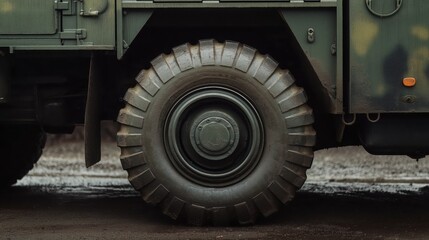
(274, 146)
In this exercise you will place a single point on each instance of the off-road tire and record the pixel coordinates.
(20, 146)
(217, 68)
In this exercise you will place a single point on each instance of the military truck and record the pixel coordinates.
(220, 103)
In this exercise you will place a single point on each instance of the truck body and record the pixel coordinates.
(363, 66)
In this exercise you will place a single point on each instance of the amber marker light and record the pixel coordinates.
(409, 82)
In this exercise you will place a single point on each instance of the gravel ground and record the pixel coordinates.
(334, 171)
(64, 157)
(354, 164)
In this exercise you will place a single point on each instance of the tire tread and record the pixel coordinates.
(290, 99)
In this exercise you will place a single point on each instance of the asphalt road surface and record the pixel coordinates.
(349, 195)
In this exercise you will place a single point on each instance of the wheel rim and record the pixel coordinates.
(214, 136)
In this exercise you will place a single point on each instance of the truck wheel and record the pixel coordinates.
(216, 133)
(21, 147)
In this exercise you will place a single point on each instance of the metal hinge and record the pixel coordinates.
(60, 6)
(70, 34)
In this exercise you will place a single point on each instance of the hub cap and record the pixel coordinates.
(214, 136)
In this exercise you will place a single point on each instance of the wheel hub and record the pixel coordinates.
(214, 135)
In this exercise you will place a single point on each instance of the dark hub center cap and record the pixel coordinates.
(214, 135)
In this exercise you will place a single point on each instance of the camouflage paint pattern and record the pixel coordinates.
(383, 51)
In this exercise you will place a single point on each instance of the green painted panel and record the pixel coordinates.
(133, 22)
(27, 17)
(97, 17)
(319, 49)
(383, 51)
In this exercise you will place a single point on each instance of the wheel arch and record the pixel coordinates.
(270, 31)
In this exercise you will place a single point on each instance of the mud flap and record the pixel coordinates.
(92, 113)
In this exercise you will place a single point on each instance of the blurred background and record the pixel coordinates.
(63, 163)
